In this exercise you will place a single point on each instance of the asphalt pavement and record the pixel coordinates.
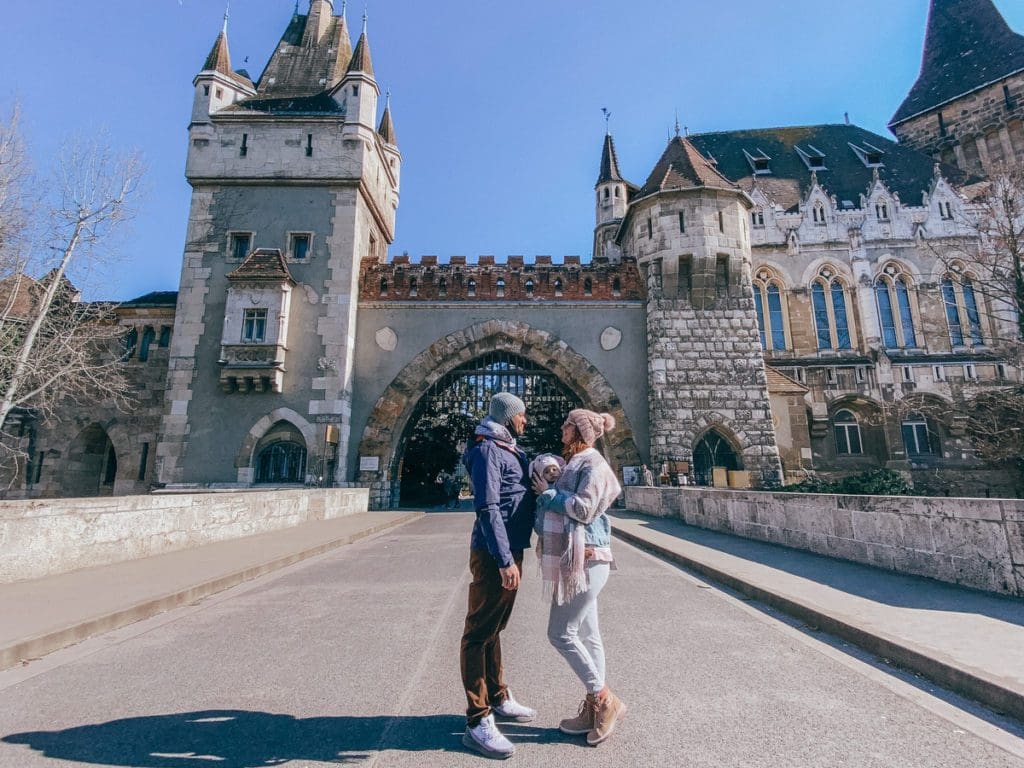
(351, 657)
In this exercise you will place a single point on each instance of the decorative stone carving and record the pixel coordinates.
(311, 294)
(386, 339)
(611, 337)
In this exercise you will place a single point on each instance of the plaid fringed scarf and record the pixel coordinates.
(561, 551)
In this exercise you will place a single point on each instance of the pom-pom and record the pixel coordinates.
(609, 422)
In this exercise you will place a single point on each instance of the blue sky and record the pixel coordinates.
(496, 105)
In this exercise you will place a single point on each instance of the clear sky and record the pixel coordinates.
(496, 104)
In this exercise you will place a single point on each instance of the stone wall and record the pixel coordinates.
(44, 538)
(978, 543)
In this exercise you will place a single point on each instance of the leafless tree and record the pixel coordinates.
(55, 348)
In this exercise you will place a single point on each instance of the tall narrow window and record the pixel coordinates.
(471, 287)
(383, 286)
(529, 288)
(821, 319)
(682, 221)
(685, 276)
(768, 302)
(148, 337)
(165, 336)
(244, 149)
(616, 287)
(499, 288)
(442, 287)
(414, 287)
(847, 434)
(882, 211)
(956, 331)
(892, 292)
(721, 221)
(558, 287)
(128, 344)
(143, 461)
(757, 218)
(942, 125)
(722, 276)
(819, 214)
(828, 300)
(588, 287)
(254, 326)
(973, 316)
(650, 228)
(843, 338)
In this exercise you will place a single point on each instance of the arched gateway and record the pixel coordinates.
(526, 357)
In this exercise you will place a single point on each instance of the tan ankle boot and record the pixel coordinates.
(607, 713)
(584, 721)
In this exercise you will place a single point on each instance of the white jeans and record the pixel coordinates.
(573, 630)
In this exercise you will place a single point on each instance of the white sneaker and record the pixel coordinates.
(510, 709)
(486, 739)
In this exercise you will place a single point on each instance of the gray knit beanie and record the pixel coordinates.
(504, 406)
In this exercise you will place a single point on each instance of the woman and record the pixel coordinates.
(576, 559)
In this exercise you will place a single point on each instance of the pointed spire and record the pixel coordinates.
(227, 9)
(682, 166)
(609, 162)
(219, 59)
(677, 123)
(968, 45)
(361, 61)
(387, 125)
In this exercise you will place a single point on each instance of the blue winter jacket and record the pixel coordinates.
(502, 498)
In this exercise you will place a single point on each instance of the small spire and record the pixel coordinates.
(609, 162)
(677, 123)
(344, 9)
(227, 9)
(364, 20)
(387, 125)
(360, 61)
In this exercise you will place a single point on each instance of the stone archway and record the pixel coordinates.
(90, 467)
(244, 459)
(386, 424)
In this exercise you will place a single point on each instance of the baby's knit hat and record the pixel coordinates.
(590, 425)
(504, 406)
(545, 460)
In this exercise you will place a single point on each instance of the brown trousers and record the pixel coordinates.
(490, 606)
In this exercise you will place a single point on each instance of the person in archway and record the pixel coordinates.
(504, 507)
(576, 560)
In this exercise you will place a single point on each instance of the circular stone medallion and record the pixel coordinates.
(611, 337)
(386, 339)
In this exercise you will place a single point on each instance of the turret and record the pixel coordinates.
(386, 131)
(358, 90)
(611, 202)
(216, 85)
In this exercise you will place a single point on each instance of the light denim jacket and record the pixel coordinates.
(584, 492)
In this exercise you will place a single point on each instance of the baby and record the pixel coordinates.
(549, 467)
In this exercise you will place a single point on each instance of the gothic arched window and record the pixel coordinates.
(588, 287)
(499, 288)
(529, 288)
(962, 313)
(558, 287)
(831, 313)
(819, 213)
(471, 287)
(771, 314)
(895, 316)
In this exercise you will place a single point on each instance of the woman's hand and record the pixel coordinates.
(539, 484)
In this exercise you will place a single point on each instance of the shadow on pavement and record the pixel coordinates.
(242, 739)
(877, 584)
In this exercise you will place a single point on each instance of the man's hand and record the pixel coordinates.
(510, 577)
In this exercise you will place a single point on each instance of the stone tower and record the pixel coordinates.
(293, 184)
(687, 228)
(967, 106)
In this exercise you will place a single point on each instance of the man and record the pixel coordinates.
(647, 476)
(504, 507)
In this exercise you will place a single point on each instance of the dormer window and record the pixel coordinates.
(757, 218)
(759, 162)
(946, 210)
(868, 154)
(819, 214)
(813, 158)
(882, 211)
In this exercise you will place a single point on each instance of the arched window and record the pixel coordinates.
(383, 287)
(892, 292)
(962, 313)
(148, 337)
(499, 288)
(471, 287)
(819, 213)
(558, 287)
(442, 287)
(771, 316)
(831, 316)
(529, 288)
(413, 287)
(847, 434)
(128, 344)
(588, 287)
(281, 462)
(616, 287)
(757, 218)
(918, 437)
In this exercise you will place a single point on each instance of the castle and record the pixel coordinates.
(749, 314)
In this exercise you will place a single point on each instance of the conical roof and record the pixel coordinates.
(968, 45)
(609, 162)
(361, 57)
(682, 166)
(387, 127)
(219, 59)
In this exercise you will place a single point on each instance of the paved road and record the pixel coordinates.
(351, 658)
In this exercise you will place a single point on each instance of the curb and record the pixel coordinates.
(36, 647)
(958, 679)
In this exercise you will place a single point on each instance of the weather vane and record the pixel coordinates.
(607, 119)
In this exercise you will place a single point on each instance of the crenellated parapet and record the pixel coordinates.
(403, 279)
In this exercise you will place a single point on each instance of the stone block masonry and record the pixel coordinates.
(45, 538)
(976, 543)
